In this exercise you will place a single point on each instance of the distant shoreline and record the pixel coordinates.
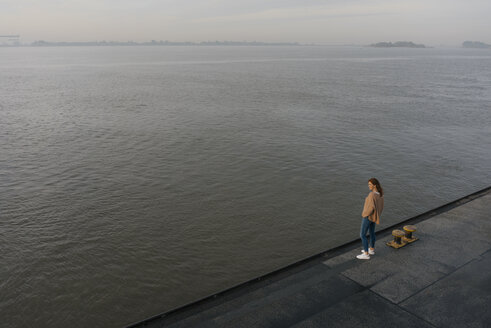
(398, 44)
(476, 45)
(150, 43)
(153, 43)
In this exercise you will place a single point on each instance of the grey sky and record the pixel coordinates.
(432, 22)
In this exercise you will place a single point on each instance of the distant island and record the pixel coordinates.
(398, 44)
(476, 44)
(159, 43)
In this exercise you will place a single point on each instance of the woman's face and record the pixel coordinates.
(371, 186)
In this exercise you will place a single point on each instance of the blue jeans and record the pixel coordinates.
(367, 225)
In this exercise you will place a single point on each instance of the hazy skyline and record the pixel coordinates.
(432, 22)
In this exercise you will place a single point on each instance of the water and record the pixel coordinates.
(138, 179)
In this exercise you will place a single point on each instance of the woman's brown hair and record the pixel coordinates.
(377, 184)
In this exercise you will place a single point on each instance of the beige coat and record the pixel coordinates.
(374, 205)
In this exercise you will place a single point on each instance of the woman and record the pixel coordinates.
(374, 204)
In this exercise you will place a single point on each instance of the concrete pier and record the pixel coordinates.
(441, 280)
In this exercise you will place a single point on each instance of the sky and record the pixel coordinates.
(432, 22)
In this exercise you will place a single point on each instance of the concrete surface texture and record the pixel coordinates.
(441, 280)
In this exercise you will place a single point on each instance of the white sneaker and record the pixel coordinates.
(363, 256)
(370, 251)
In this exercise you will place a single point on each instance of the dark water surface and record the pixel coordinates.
(137, 179)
